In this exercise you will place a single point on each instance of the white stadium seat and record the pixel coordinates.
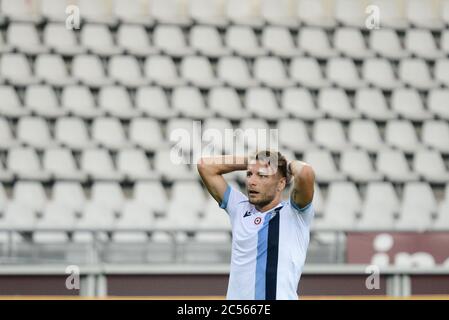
(153, 102)
(62, 40)
(422, 44)
(171, 40)
(280, 13)
(189, 103)
(109, 133)
(162, 71)
(115, 101)
(350, 42)
(316, 43)
(306, 71)
(132, 12)
(146, 134)
(42, 100)
(401, 134)
(408, 104)
(72, 133)
(329, 133)
(225, 102)
(394, 166)
(98, 39)
(198, 71)
(208, 12)
(435, 134)
(335, 103)
(279, 42)
(10, 105)
(299, 103)
(437, 102)
(25, 38)
(243, 12)
(126, 70)
(261, 102)
(208, 41)
(271, 72)
(234, 72)
(61, 164)
(169, 12)
(430, 165)
(97, 163)
(133, 163)
(357, 165)
(34, 132)
(134, 39)
(242, 40)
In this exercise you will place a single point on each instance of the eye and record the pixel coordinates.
(248, 174)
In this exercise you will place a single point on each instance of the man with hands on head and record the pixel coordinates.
(270, 235)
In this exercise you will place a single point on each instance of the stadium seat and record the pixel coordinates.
(116, 102)
(371, 103)
(188, 194)
(109, 133)
(415, 73)
(4, 46)
(214, 218)
(225, 102)
(14, 68)
(407, 103)
(54, 10)
(189, 103)
(8, 140)
(10, 106)
(146, 134)
(51, 68)
(442, 220)
(335, 103)
(444, 41)
(435, 134)
(98, 39)
(135, 41)
(279, 13)
(181, 132)
(25, 38)
(271, 72)
(153, 102)
(306, 71)
(365, 134)
(343, 194)
(151, 194)
(31, 195)
(316, 43)
(208, 12)
(392, 14)
(171, 169)
(89, 70)
(357, 165)
(42, 100)
(293, 135)
(387, 44)
(418, 205)
(72, 133)
(132, 12)
(97, 163)
(171, 40)
(207, 41)
(162, 71)
(437, 103)
(394, 166)
(169, 12)
(62, 40)
(107, 195)
(381, 195)
(255, 135)
(198, 71)
(379, 73)
(34, 132)
(78, 101)
(279, 42)
(343, 73)
(315, 13)
(350, 43)
(69, 194)
(96, 11)
(60, 163)
(371, 220)
(329, 133)
(18, 216)
(20, 10)
(422, 44)
(242, 40)
(430, 165)
(324, 166)
(401, 134)
(423, 15)
(135, 216)
(94, 217)
(243, 12)
(126, 71)
(350, 13)
(235, 73)
(299, 103)
(134, 165)
(57, 217)
(442, 72)
(261, 103)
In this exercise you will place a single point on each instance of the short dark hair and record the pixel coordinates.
(274, 157)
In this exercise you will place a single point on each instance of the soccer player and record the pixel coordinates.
(270, 236)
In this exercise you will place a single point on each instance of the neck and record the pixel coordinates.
(268, 206)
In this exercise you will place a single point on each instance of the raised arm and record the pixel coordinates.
(303, 182)
(211, 170)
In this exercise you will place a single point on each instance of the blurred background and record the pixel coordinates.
(90, 91)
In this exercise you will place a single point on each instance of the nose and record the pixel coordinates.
(251, 181)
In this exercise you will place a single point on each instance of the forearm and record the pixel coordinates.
(222, 164)
(303, 182)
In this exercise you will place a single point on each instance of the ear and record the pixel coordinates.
(282, 184)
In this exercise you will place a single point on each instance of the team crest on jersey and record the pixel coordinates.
(257, 221)
(247, 214)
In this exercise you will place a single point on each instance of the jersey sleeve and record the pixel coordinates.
(306, 213)
(232, 201)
